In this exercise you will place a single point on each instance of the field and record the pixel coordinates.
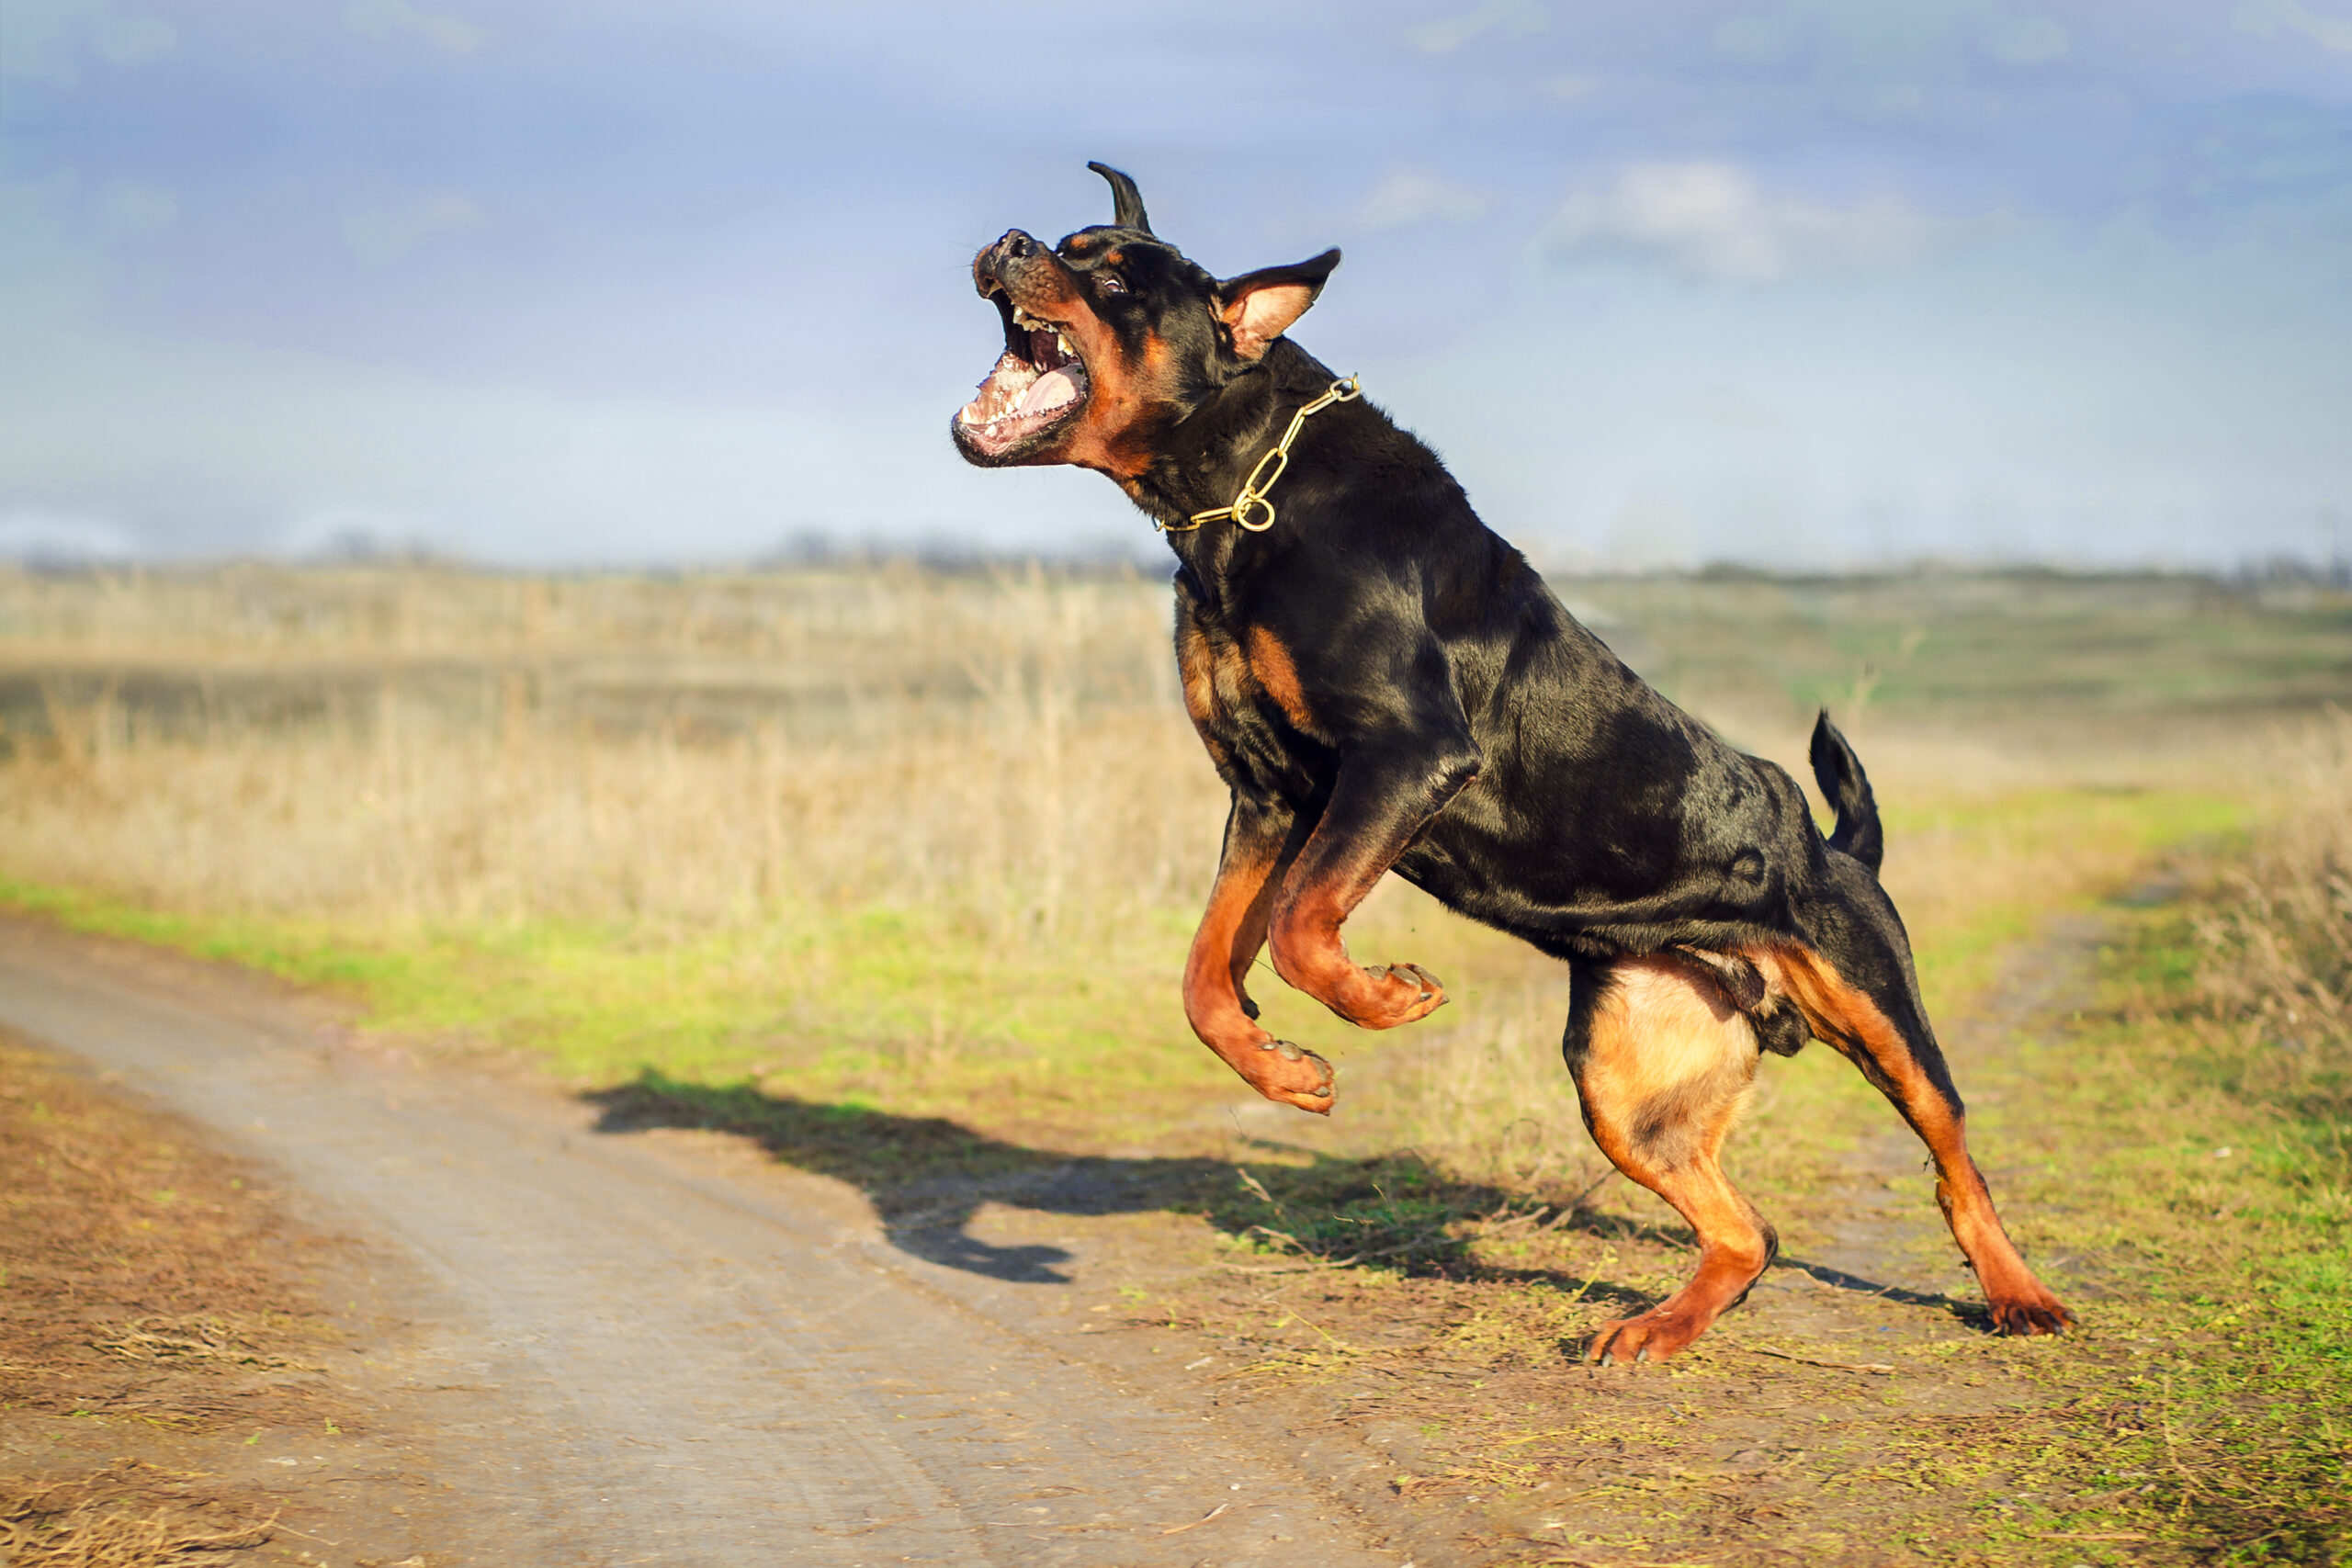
(893, 870)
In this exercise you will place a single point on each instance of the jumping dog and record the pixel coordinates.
(1384, 685)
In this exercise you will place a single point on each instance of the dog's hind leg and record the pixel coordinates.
(1882, 1030)
(1664, 1065)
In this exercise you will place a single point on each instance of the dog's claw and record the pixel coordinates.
(1422, 978)
(2026, 1319)
(1656, 1335)
(1284, 1086)
(1426, 994)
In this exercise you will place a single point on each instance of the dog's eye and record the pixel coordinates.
(1109, 283)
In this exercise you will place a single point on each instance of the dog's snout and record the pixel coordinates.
(995, 266)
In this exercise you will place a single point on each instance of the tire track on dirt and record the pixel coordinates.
(630, 1356)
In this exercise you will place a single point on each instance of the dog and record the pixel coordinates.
(1384, 685)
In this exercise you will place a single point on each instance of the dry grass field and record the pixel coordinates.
(828, 855)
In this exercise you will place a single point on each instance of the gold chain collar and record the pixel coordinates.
(1252, 502)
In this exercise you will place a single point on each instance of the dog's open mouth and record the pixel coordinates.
(1039, 385)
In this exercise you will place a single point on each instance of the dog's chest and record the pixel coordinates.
(1244, 695)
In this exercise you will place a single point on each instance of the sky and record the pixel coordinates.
(1822, 284)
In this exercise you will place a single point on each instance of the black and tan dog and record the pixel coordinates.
(1385, 685)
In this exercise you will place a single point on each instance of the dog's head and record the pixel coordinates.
(1113, 337)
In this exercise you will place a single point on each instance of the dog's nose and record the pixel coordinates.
(990, 268)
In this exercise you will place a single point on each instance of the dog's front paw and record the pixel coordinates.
(1294, 1075)
(1397, 993)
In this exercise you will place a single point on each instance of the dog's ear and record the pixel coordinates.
(1126, 202)
(1260, 306)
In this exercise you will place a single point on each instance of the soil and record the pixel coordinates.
(156, 1332)
(458, 1317)
(559, 1345)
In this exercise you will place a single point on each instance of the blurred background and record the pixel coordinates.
(1824, 284)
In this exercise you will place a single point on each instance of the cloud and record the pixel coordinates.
(1711, 221)
(385, 20)
(2023, 40)
(1512, 18)
(386, 232)
(2263, 19)
(134, 208)
(1408, 197)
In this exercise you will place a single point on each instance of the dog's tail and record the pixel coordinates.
(1844, 785)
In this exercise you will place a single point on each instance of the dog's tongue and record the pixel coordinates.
(1050, 390)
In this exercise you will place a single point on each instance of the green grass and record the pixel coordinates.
(2220, 1219)
(2082, 839)
(876, 1007)
(2198, 1221)
(1997, 645)
(829, 994)
(1080, 1044)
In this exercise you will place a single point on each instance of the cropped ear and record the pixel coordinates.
(1260, 306)
(1126, 202)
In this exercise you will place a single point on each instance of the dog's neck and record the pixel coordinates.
(1207, 458)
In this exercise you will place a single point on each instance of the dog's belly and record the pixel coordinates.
(1621, 870)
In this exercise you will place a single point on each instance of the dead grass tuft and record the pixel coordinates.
(115, 1519)
(197, 1338)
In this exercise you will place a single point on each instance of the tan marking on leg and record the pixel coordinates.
(1311, 956)
(1667, 1068)
(1277, 675)
(1230, 934)
(1845, 1016)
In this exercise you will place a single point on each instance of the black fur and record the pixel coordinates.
(1548, 790)
(1458, 721)
(1384, 685)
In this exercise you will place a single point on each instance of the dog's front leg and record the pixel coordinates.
(1384, 795)
(1261, 838)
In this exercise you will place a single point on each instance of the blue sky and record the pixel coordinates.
(1815, 284)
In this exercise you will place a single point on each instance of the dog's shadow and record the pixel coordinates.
(928, 1177)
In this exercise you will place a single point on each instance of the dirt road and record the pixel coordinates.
(618, 1349)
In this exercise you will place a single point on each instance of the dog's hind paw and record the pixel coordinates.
(2027, 1315)
(1655, 1336)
